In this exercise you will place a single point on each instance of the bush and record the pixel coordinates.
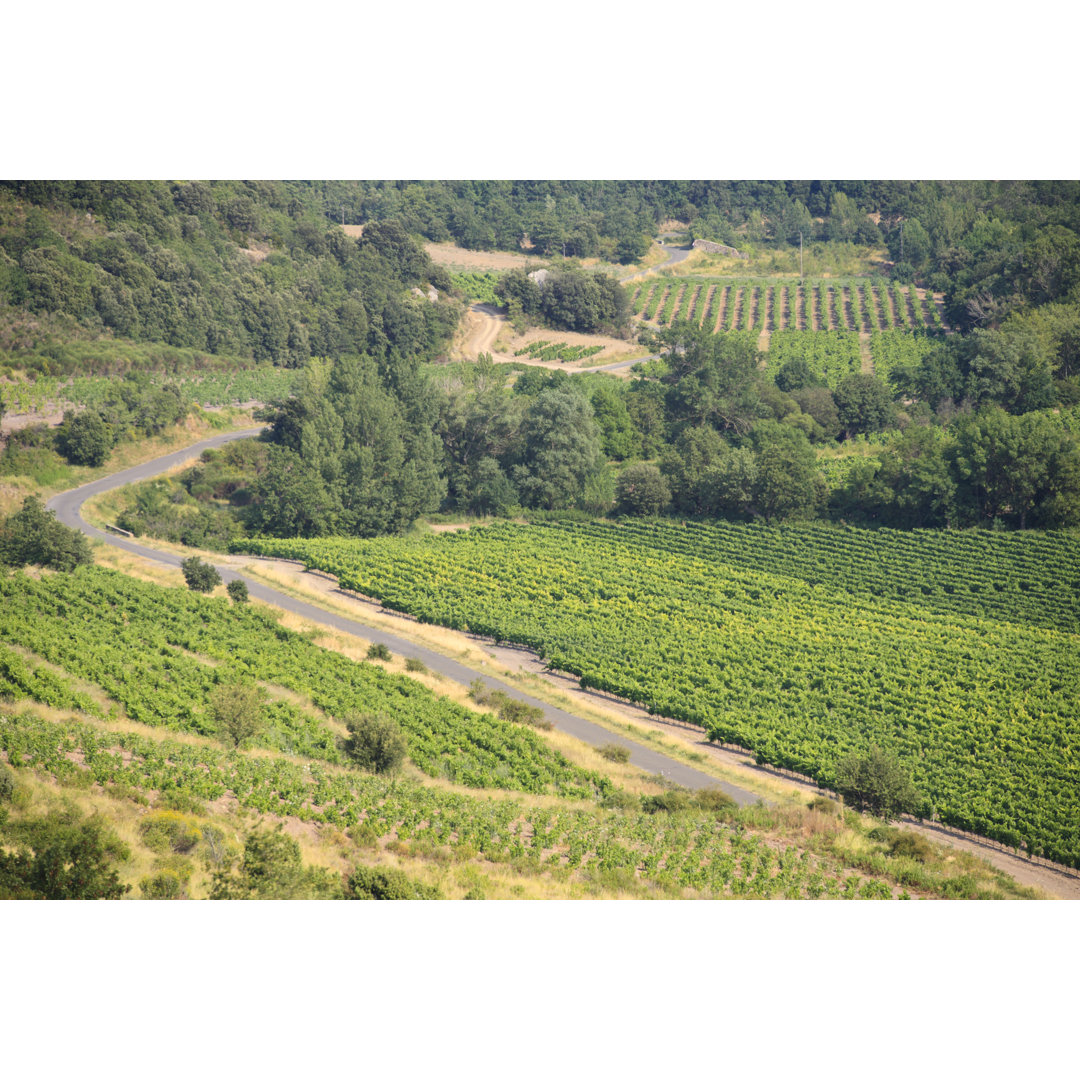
(909, 845)
(62, 857)
(618, 799)
(178, 799)
(238, 591)
(164, 885)
(33, 536)
(85, 438)
(824, 805)
(379, 652)
(642, 490)
(413, 664)
(200, 576)
(379, 883)
(7, 783)
(670, 802)
(714, 800)
(614, 752)
(375, 742)
(272, 869)
(164, 830)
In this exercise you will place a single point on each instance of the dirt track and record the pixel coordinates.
(484, 323)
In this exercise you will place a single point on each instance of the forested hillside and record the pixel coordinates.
(249, 270)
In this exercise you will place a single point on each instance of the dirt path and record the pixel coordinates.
(483, 324)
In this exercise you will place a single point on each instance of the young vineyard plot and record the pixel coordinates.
(959, 653)
(852, 304)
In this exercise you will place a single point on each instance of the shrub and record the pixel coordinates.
(824, 805)
(375, 742)
(200, 576)
(670, 802)
(178, 799)
(271, 869)
(714, 800)
(414, 664)
(642, 490)
(618, 799)
(238, 591)
(34, 536)
(379, 651)
(7, 783)
(386, 883)
(164, 830)
(910, 845)
(615, 752)
(62, 857)
(164, 885)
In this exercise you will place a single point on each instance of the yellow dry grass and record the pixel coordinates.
(456, 258)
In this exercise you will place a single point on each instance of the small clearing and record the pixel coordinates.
(450, 255)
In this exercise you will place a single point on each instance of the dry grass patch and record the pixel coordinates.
(456, 258)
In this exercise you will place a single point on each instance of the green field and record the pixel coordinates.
(959, 652)
(120, 660)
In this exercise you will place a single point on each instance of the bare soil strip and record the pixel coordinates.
(913, 319)
(680, 303)
(737, 302)
(452, 255)
(710, 303)
(723, 294)
(867, 361)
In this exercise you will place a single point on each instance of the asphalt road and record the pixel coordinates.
(68, 507)
(674, 255)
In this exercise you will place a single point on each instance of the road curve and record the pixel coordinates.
(68, 508)
(674, 255)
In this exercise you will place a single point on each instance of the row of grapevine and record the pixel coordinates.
(547, 350)
(848, 304)
(800, 670)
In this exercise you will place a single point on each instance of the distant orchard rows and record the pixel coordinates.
(726, 304)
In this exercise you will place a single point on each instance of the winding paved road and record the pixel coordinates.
(68, 507)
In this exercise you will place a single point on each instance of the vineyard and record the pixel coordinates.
(476, 285)
(108, 650)
(158, 653)
(858, 305)
(830, 354)
(958, 652)
(566, 354)
(211, 389)
(689, 850)
(891, 349)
